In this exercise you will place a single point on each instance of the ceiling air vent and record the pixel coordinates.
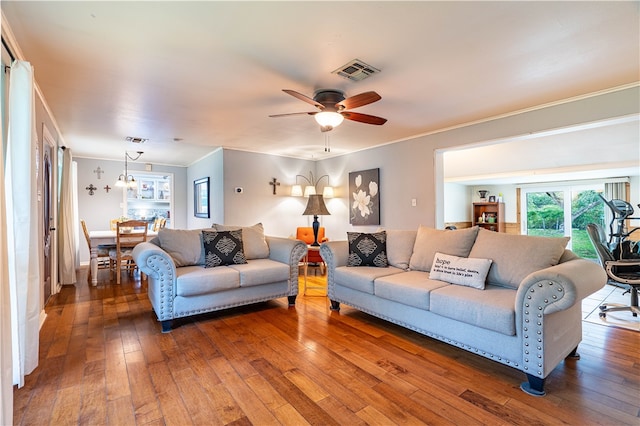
(356, 70)
(135, 140)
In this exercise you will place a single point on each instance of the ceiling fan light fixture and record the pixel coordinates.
(329, 119)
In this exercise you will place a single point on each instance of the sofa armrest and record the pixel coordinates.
(334, 254)
(161, 270)
(545, 292)
(561, 286)
(288, 251)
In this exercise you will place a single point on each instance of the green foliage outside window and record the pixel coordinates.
(545, 217)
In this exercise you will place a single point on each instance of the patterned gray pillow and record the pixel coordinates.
(223, 248)
(367, 249)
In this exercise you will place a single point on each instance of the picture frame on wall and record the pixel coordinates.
(201, 197)
(364, 190)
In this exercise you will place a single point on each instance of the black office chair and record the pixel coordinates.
(619, 241)
(623, 273)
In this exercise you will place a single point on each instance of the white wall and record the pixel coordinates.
(457, 203)
(211, 166)
(280, 214)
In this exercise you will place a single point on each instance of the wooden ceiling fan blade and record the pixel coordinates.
(303, 98)
(356, 101)
(294, 113)
(363, 118)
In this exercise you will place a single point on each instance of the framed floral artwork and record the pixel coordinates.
(364, 187)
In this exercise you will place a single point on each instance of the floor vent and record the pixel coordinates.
(356, 70)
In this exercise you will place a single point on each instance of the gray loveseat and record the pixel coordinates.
(525, 313)
(179, 284)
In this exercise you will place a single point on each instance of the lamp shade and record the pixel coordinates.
(327, 192)
(309, 190)
(315, 206)
(296, 191)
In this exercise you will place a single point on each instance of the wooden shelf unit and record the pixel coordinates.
(495, 210)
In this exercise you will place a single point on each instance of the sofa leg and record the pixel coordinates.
(166, 326)
(335, 306)
(574, 354)
(534, 387)
(292, 300)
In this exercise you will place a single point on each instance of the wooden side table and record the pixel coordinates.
(306, 270)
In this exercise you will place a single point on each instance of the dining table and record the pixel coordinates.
(104, 237)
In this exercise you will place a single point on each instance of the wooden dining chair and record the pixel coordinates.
(128, 234)
(159, 223)
(103, 250)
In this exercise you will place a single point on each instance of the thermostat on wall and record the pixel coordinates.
(239, 190)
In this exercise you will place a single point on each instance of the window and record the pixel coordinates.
(557, 211)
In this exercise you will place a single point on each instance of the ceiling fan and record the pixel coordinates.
(334, 107)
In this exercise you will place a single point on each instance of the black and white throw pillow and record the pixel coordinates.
(367, 249)
(223, 248)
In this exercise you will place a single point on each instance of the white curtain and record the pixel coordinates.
(22, 222)
(67, 225)
(76, 215)
(613, 191)
(6, 364)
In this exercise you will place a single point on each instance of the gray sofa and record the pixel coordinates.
(180, 284)
(525, 311)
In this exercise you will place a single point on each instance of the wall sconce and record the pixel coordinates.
(126, 180)
(311, 188)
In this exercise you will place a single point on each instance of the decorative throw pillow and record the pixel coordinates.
(223, 248)
(367, 249)
(466, 271)
(255, 243)
(184, 246)
(516, 256)
(430, 241)
(399, 247)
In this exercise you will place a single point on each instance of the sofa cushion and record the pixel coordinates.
(493, 308)
(367, 249)
(361, 278)
(399, 247)
(183, 245)
(429, 241)
(467, 271)
(196, 280)
(411, 288)
(255, 243)
(223, 248)
(516, 256)
(262, 271)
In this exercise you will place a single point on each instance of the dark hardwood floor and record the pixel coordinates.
(103, 360)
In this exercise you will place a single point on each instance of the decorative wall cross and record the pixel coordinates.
(91, 188)
(99, 172)
(107, 188)
(274, 182)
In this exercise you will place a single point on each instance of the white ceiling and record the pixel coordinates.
(210, 73)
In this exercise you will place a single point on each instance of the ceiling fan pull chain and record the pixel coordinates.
(327, 143)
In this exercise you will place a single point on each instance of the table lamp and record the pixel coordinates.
(315, 207)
